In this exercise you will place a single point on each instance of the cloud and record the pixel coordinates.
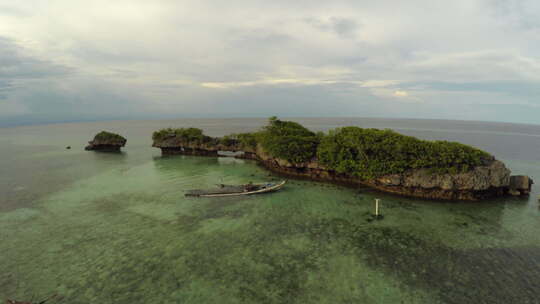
(486, 65)
(34, 87)
(10, 109)
(523, 14)
(343, 27)
(67, 59)
(379, 83)
(399, 93)
(268, 82)
(15, 65)
(10, 11)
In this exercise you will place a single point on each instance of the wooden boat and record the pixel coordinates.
(229, 190)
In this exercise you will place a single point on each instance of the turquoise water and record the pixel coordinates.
(116, 228)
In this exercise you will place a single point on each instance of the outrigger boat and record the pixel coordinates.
(230, 190)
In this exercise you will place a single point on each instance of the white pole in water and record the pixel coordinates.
(377, 207)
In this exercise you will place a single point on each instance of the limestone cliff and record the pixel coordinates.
(171, 144)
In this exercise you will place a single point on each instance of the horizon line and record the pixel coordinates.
(71, 121)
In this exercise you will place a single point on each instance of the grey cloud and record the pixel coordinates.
(34, 88)
(124, 73)
(520, 13)
(13, 11)
(16, 66)
(313, 100)
(343, 27)
(94, 52)
(258, 37)
(75, 99)
(20, 74)
(524, 89)
(278, 57)
(5, 85)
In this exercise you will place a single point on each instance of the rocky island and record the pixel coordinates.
(381, 159)
(107, 142)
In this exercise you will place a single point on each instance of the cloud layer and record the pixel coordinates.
(67, 60)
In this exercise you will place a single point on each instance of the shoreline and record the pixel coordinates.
(327, 176)
(380, 159)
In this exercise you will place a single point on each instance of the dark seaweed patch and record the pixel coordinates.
(491, 275)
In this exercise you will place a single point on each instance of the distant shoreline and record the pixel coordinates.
(31, 122)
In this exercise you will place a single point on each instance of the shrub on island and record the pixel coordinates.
(371, 153)
(106, 141)
(358, 152)
(187, 135)
(105, 136)
(243, 141)
(288, 140)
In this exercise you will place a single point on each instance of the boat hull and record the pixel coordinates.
(272, 188)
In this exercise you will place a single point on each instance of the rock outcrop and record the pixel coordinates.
(520, 185)
(490, 179)
(107, 142)
(174, 145)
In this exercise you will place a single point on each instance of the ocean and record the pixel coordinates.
(116, 228)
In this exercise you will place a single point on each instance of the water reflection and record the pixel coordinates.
(230, 161)
(108, 155)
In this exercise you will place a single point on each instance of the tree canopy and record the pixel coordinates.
(109, 136)
(364, 153)
(369, 153)
(288, 140)
(192, 135)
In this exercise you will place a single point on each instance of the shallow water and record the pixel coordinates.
(115, 228)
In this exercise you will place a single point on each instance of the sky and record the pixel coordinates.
(69, 60)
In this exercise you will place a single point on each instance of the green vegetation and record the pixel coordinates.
(108, 136)
(229, 140)
(288, 140)
(369, 153)
(191, 135)
(363, 153)
(248, 140)
(196, 136)
(242, 140)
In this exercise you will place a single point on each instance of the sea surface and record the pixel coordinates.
(115, 228)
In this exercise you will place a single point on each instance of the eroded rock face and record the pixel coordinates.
(480, 178)
(520, 185)
(489, 180)
(483, 181)
(106, 141)
(176, 145)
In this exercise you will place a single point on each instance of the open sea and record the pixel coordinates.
(116, 228)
